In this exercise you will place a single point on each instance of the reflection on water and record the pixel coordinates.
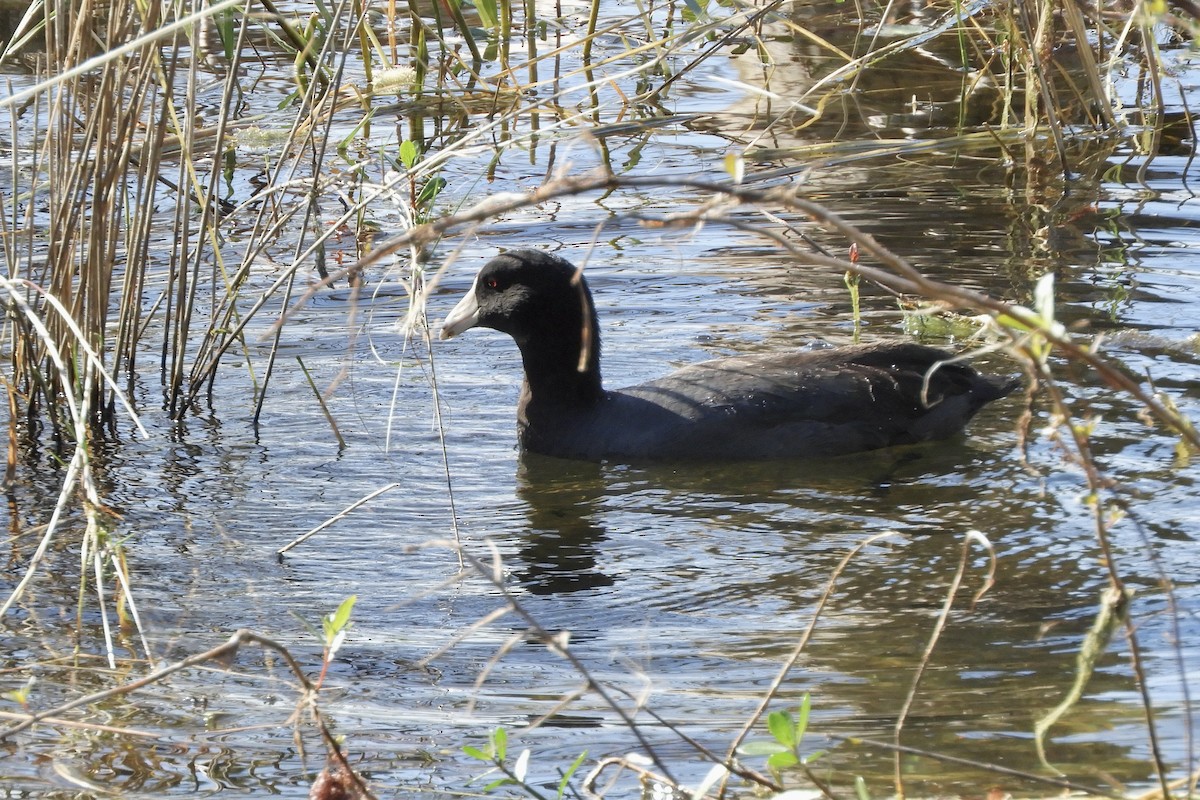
(566, 503)
(558, 550)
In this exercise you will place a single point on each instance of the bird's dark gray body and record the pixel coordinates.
(801, 404)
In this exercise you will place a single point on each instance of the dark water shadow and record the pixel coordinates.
(559, 548)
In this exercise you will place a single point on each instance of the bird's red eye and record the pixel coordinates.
(492, 283)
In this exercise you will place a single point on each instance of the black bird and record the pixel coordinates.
(802, 404)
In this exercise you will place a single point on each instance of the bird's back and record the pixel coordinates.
(816, 403)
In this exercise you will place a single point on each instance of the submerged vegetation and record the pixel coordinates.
(160, 231)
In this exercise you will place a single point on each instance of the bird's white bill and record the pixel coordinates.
(463, 316)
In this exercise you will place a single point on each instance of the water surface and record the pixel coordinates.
(683, 587)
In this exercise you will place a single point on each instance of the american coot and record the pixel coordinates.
(801, 404)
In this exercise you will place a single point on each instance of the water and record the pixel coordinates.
(683, 588)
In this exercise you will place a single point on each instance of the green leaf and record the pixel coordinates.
(499, 743)
(779, 723)
(761, 747)
(408, 153)
(811, 757)
(342, 616)
(1014, 323)
(477, 754)
(496, 784)
(562, 785)
(735, 165)
(227, 32)
(782, 760)
(860, 789)
(336, 624)
(21, 695)
(802, 719)
(695, 10)
(430, 190)
(487, 13)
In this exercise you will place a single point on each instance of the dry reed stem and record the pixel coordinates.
(223, 653)
(62, 722)
(493, 574)
(99, 61)
(971, 537)
(895, 273)
(998, 769)
(801, 644)
(202, 373)
(336, 517)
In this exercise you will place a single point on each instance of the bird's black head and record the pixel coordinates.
(525, 293)
(541, 301)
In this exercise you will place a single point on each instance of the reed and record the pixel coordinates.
(114, 145)
(110, 138)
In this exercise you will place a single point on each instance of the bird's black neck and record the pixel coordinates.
(554, 353)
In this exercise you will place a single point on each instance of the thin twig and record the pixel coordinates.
(934, 635)
(338, 516)
(998, 769)
(790, 662)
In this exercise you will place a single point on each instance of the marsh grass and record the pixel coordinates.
(125, 254)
